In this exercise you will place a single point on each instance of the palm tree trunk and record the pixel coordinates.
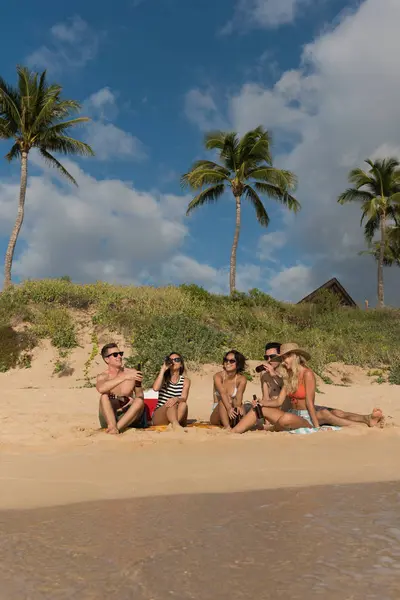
(381, 293)
(232, 277)
(18, 223)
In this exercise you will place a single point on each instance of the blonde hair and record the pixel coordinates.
(291, 377)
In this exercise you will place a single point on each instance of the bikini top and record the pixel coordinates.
(300, 393)
(235, 389)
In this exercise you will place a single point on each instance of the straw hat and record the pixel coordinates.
(293, 349)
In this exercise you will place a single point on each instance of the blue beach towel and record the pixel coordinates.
(308, 430)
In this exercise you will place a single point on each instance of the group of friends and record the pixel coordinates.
(287, 401)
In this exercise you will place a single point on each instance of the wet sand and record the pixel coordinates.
(336, 542)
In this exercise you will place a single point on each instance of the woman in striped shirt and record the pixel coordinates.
(173, 391)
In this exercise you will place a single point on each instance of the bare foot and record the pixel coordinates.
(375, 418)
(177, 426)
(112, 430)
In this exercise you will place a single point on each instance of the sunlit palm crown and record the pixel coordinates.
(246, 168)
(378, 191)
(35, 116)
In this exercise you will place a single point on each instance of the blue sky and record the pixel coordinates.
(154, 75)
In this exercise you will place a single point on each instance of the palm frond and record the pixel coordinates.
(9, 104)
(200, 177)
(254, 198)
(209, 164)
(66, 145)
(370, 227)
(7, 129)
(227, 143)
(61, 127)
(207, 196)
(355, 195)
(15, 152)
(279, 195)
(53, 162)
(286, 180)
(255, 146)
(359, 178)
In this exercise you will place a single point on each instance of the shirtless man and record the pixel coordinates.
(271, 382)
(121, 403)
(271, 385)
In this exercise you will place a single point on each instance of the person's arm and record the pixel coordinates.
(310, 385)
(105, 385)
(185, 391)
(240, 391)
(219, 386)
(269, 402)
(158, 383)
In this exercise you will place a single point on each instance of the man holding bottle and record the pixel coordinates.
(121, 393)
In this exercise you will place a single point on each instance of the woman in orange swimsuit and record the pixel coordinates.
(299, 386)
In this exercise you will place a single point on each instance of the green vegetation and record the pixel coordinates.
(33, 115)
(394, 373)
(15, 347)
(378, 192)
(190, 320)
(246, 169)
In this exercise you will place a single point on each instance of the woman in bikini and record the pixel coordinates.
(173, 390)
(229, 386)
(299, 386)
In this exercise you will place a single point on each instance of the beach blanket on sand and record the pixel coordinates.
(308, 430)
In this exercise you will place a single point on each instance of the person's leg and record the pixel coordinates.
(166, 415)
(223, 415)
(272, 415)
(133, 413)
(215, 419)
(326, 417)
(290, 421)
(106, 410)
(371, 420)
(182, 413)
(246, 423)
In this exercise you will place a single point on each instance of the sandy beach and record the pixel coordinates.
(147, 514)
(52, 451)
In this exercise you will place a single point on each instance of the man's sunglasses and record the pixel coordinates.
(229, 360)
(115, 354)
(270, 356)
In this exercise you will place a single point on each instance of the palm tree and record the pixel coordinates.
(34, 115)
(246, 169)
(378, 190)
(392, 247)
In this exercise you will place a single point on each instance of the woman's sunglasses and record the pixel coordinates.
(115, 354)
(231, 361)
(270, 356)
(175, 360)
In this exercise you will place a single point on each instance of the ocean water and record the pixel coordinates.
(334, 542)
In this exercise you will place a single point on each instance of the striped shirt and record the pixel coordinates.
(171, 390)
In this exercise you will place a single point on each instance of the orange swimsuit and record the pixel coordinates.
(299, 394)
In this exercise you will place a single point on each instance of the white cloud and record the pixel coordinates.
(201, 109)
(269, 244)
(102, 104)
(251, 14)
(111, 142)
(72, 44)
(107, 140)
(291, 284)
(339, 107)
(183, 269)
(105, 229)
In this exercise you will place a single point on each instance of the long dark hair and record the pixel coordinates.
(167, 374)
(240, 360)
